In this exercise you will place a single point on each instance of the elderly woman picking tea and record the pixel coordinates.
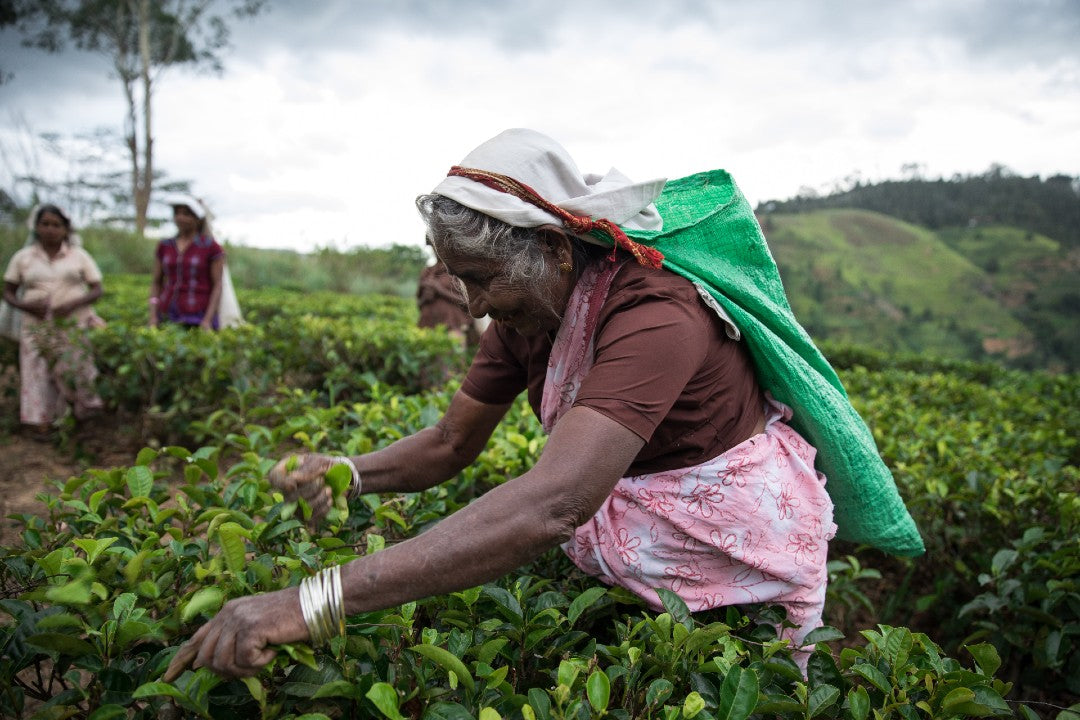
(668, 465)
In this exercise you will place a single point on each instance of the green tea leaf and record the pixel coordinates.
(62, 643)
(146, 456)
(338, 688)
(507, 602)
(140, 481)
(123, 605)
(583, 602)
(109, 712)
(659, 691)
(822, 634)
(150, 689)
(858, 701)
(231, 537)
(302, 654)
(385, 698)
(448, 661)
(738, 694)
(93, 548)
(957, 696)
(821, 698)
(207, 600)
(986, 657)
(598, 688)
(76, 592)
(60, 620)
(676, 607)
(540, 703)
(339, 477)
(258, 692)
(693, 704)
(487, 652)
(874, 676)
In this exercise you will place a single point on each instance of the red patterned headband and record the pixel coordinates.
(577, 224)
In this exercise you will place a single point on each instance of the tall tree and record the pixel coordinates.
(141, 38)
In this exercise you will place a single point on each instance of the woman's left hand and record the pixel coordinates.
(240, 639)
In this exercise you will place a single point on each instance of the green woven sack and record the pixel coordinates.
(711, 237)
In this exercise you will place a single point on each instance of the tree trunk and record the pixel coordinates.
(144, 179)
(131, 137)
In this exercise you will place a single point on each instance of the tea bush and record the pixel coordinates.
(128, 561)
(989, 471)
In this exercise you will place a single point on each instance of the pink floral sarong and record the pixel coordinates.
(749, 526)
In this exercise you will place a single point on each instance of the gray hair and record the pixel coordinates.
(462, 230)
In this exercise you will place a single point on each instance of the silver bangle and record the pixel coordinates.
(322, 603)
(354, 486)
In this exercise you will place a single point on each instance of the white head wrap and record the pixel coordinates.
(544, 165)
(73, 238)
(191, 202)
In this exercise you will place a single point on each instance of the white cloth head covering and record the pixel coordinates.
(73, 238)
(190, 202)
(544, 165)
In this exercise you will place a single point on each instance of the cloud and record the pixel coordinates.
(330, 117)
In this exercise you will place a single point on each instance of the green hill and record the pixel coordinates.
(853, 276)
(986, 293)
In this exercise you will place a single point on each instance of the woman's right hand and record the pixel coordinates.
(304, 476)
(37, 308)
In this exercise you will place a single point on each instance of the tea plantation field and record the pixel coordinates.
(124, 563)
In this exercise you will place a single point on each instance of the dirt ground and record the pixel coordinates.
(29, 466)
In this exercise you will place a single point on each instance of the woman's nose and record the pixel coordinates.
(478, 304)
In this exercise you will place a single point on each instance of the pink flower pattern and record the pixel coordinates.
(654, 502)
(703, 499)
(625, 545)
(786, 502)
(735, 472)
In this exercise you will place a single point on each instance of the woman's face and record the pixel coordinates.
(185, 220)
(490, 292)
(50, 228)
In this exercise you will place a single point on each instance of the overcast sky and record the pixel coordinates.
(332, 115)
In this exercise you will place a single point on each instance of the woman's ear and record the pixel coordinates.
(557, 243)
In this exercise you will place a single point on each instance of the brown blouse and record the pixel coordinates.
(664, 369)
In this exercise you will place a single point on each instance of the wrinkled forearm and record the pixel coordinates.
(414, 463)
(509, 526)
(435, 454)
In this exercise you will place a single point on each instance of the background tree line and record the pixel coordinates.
(1048, 206)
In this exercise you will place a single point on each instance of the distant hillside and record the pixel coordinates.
(1048, 207)
(983, 293)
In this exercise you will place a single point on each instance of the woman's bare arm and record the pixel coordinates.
(510, 525)
(93, 293)
(217, 272)
(411, 464)
(155, 291)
